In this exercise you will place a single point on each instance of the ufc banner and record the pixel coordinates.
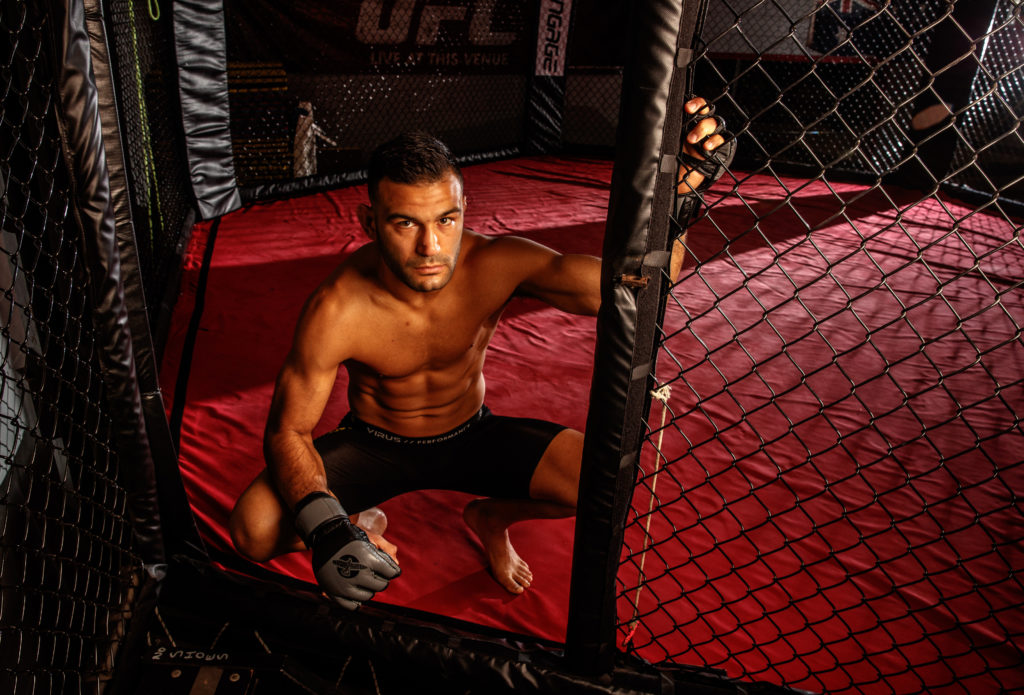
(383, 36)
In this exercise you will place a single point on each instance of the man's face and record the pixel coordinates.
(418, 228)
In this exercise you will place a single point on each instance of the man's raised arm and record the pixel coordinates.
(698, 168)
(570, 282)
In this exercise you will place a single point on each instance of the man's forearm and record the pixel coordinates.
(294, 465)
(678, 256)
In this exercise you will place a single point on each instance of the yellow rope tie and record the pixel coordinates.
(661, 395)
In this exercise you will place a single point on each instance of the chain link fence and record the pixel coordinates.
(68, 571)
(828, 493)
(592, 108)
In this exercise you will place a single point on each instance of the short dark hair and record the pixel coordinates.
(415, 157)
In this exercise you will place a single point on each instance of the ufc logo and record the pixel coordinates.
(371, 27)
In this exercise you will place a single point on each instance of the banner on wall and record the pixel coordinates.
(378, 36)
(552, 37)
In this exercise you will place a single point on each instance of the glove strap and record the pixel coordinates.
(313, 510)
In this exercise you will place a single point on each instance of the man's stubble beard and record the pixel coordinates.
(414, 282)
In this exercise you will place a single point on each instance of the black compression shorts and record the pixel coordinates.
(490, 455)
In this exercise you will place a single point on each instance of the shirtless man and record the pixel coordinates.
(410, 315)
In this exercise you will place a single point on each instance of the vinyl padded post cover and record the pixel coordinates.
(91, 206)
(201, 47)
(637, 231)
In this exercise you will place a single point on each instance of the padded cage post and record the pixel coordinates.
(78, 122)
(178, 529)
(201, 47)
(635, 253)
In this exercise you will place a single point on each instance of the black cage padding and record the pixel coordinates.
(178, 530)
(201, 47)
(79, 122)
(635, 244)
(545, 99)
(411, 651)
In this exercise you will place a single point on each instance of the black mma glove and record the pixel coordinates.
(348, 567)
(712, 166)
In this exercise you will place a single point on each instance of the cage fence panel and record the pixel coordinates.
(591, 106)
(828, 497)
(990, 141)
(145, 75)
(68, 569)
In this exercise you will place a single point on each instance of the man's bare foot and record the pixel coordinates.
(506, 566)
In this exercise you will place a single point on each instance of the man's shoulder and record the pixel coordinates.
(338, 302)
(348, 283)
(356, 268)
(512, 256)
(503, 249)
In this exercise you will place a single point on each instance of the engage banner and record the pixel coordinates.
(552, 37)
(375, 36)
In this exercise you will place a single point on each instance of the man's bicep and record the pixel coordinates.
(571, 282)
(300, 395)
(580, 283)
(307, 377)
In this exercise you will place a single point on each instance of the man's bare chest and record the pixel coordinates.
(402, 344)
